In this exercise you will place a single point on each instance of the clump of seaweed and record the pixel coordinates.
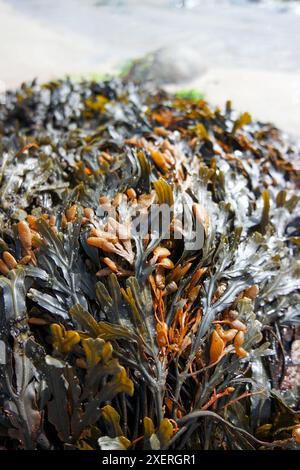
(115, 335)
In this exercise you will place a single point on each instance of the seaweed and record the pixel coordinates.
(149, 258)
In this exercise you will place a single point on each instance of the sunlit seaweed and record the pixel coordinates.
(118, 339)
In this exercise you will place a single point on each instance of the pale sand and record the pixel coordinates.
(268, 96)
(29, 49)
(34, 47)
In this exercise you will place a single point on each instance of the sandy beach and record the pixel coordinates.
(247, 54)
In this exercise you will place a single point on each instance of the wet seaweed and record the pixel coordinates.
(115, 335)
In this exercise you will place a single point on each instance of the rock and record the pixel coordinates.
(292, 376)
(295, 353)
(167, 66)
